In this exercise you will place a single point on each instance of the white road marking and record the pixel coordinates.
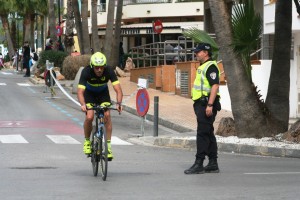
(62, 139)
(117, 141)
(12, 139)
(23, 84)
(7, 73)
(2, 83)
(271, 173)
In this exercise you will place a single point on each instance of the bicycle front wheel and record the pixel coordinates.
(103, 154)
(95, 155)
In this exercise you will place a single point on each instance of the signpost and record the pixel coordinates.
(142, 101)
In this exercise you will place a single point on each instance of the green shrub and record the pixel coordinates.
(72, 64)
(57, 57)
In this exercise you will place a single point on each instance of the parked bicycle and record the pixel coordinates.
(99, 140)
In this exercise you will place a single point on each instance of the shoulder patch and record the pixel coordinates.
(213, 75)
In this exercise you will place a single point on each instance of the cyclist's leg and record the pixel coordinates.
(88, 123)
(108, 124)
(88, 126)
(104, 97)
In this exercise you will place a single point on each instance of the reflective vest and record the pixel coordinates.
(201, 85)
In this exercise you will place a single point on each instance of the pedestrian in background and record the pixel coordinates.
(26, 58)
(15, 59)
(121, 56)
(205, 94)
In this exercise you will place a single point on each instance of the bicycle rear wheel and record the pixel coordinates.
(95, 155)
(103, 154)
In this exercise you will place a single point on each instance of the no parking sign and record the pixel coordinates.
(142, 102)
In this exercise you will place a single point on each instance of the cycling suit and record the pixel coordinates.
(95, 87)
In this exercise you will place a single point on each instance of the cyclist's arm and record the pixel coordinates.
(80, 96)
(119, 95)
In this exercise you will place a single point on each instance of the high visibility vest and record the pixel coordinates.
(201, 85)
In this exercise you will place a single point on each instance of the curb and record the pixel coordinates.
(177, 142)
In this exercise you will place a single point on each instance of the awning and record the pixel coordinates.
(146, 28)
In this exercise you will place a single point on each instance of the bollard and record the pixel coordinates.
(155, 117)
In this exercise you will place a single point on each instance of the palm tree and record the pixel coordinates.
(277, 99)
(247, 29)
(250, 120)
(200, 36)
(4, 11)
(52, 24)
(108, 43)
(96, 40)
(78, 24)
(117, 36)
(85, 27)
(69, 40)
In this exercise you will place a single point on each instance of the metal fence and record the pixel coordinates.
(163, 53)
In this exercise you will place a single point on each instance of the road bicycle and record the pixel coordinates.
(99, 140)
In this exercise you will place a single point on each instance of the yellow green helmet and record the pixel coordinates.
(98, 59)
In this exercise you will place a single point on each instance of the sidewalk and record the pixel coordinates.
(176, 113)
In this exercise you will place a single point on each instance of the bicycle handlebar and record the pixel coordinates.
(104, 108)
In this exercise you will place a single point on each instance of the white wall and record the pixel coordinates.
(157, 10)
(269, 18)
(260, 76)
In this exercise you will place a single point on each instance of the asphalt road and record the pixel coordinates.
(41, 158)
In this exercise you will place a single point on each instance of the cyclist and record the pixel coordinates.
(93, 88)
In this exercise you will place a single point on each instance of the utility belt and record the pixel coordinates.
(203, 101)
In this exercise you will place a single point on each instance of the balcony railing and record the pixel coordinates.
(132, 2)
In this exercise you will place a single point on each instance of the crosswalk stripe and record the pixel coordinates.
(23, 84)
(62, 139)
(117, 141)
(12, 139)
(57, 139)
(2, 83)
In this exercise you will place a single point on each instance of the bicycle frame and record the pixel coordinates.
(99, 142)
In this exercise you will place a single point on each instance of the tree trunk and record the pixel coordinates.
(13, 32)
(69, 40)
(32, 39)
(52, 27)
(117, 36)
(78, 24)
(85, 27)
(249, 119)
(5, 25)
(27, 26)
(109, 34)
(277, 99)
(95, 36)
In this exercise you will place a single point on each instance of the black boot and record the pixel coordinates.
(212, 166)
(197, 168)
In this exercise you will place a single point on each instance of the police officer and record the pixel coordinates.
(205, 94)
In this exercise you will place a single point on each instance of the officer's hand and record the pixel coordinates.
(209, 111)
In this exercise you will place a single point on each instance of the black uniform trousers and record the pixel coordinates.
(206, 140)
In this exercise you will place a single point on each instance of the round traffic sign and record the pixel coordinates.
(157, 26)
(58, 31)
(142, 102)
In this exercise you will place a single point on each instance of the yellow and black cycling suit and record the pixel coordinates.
(95, 87)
